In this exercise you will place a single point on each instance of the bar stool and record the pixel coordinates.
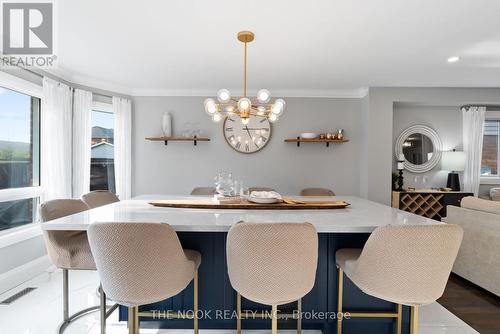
(68, 250)
(98, 198)
(406, 265)
(272, 264)
(143, 263)
(316, 192)
(206, 191)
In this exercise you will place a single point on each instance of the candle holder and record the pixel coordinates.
(401, 164)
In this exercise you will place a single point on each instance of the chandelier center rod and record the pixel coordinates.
(245, 37)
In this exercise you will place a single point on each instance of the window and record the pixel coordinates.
(19, 158)
(490, 162)
(102, 161)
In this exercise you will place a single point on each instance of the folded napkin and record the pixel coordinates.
(265, 194)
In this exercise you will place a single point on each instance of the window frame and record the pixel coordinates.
(493, 179)
(31, 230)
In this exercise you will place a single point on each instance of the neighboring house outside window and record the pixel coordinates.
(490, 160)
(102, 162)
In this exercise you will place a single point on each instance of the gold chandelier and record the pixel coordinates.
(244, 107)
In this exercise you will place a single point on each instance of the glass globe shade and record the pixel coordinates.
(217, 117)
(273, 118)
(210, 106)
(244, 104)
(263, 95)
(223, 95)
(278, 106)
(245, 121)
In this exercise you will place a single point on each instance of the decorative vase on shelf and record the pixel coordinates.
(166, 124)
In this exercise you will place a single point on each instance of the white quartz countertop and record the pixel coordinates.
(361, 216)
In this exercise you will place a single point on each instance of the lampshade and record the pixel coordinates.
(453, 161)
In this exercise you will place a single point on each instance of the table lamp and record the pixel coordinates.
(453, 161)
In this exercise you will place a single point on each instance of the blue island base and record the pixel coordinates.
(217, 299)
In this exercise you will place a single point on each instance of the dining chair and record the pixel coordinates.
(68, 250)
(406, 265)
(98, 198)
(143, 263)
(272, 264)
(206, 191)
(317, 192)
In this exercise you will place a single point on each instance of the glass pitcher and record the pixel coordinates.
(224, 184)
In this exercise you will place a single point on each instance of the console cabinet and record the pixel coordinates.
(427, 203)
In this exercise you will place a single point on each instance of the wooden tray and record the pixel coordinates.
(288, 204)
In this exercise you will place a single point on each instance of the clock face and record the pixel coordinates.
(248, 138)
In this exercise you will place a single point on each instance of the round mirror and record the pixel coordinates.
(418, 149)
(421, 147)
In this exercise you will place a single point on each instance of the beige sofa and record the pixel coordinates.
(479, 257)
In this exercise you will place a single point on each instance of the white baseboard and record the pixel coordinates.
(21, 274)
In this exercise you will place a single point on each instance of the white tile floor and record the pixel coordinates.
(39, 312)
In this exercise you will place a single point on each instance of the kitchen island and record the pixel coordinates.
(205, 230)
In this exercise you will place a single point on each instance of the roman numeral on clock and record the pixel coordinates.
(263, 138)
(238, 145)
(229, 129)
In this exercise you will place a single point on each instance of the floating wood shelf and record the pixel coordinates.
(167, 139)
(299, 140)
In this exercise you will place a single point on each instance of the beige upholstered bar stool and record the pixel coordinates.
(316, 192)
(143, 263)
(406, 265)
(68, 250)
(272, 264)
(206, 191)
(98, 198)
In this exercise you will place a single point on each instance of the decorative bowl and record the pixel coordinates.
(261, 200)
(309, 135)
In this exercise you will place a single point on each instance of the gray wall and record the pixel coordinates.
(446, 121)
(21, 253)
(179, 167)
(379, 135)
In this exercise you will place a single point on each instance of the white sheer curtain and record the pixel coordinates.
(122, 109)
(56, 140)
(82, 110)
(473, 129)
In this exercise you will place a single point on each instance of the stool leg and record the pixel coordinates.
(133, 320)
(238, 313)
(274, 327)
(414, 320)
(195, 302)
(299, 320)
(399, 319)
(65, 295)
(102, 296)
(340, 296)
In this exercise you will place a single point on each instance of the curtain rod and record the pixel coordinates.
(66, 82)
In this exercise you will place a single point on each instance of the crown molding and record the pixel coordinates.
(83, 81)
(355, 93)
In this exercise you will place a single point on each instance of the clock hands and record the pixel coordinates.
(249, 135)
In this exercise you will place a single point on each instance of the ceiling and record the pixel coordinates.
(301, 48)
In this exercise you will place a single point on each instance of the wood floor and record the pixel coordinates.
(477, 307)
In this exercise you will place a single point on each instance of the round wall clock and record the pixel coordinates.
(249, 138)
